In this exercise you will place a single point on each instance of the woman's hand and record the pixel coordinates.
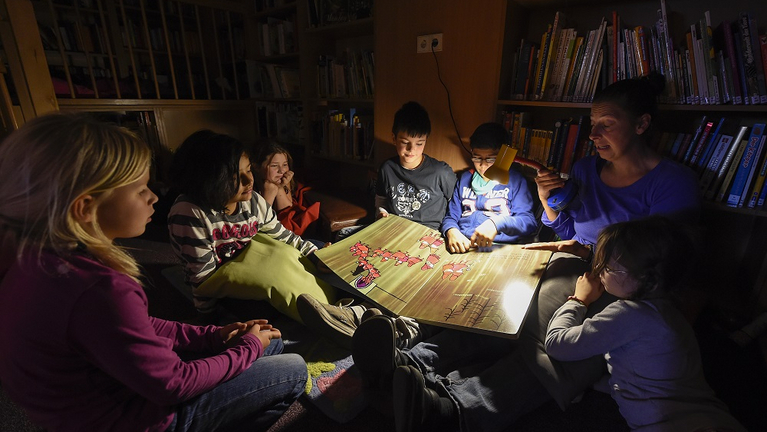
(588, 288)
(547, 181)
(484, 234)
(457, 242)
(569, 246)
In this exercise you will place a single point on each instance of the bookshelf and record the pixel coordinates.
(137, 49)
(276, 84)
(182, 63)
(338, 65)
(735, 234)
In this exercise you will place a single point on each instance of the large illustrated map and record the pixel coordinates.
(405, 268)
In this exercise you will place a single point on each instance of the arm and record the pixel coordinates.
(570, 337)
(456, 241)
(283, 197)
(272, 227)
(111, 329)
(191, 241)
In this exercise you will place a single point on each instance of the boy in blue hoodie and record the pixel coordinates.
(483, 211)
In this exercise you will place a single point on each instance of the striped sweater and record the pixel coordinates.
(205, 239)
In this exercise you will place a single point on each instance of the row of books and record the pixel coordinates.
(344, 134)
(713, 65)
(349, 75)
(272, 81)
(557, 148)
(329, 12)
(277, 36)
(280, 121)
(729, 157)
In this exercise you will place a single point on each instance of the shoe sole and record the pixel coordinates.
(316, 318)
(373, 350)
(406, 408)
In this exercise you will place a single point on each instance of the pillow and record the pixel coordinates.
(268, 269)
(564, 380)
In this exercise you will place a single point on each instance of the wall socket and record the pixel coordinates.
(424, 43)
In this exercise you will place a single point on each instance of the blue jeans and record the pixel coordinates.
(253, 400)
(483, 375)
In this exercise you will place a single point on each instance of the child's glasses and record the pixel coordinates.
(489, 160)
(609, 270)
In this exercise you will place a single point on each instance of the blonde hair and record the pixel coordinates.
(46, 165)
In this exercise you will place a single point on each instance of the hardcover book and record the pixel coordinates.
(740, 181)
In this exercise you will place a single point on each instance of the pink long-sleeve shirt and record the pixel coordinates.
(78, 350)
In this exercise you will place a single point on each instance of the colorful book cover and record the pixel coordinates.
(752, 172)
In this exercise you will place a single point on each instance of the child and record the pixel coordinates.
(281, 191)
(413, 185)
(483, 211)
(651, 350)
(216, 217)
(84, 354)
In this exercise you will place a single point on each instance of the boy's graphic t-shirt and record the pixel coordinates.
(420, 194)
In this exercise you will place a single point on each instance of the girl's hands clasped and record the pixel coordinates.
(260, 328)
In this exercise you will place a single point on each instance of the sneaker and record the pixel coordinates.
(334, 322)
(418, 408)
(375, 352)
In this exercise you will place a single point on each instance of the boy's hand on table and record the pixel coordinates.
(484, 234)
(457, 242)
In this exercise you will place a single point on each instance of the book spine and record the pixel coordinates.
(731, 155)
(713, 138)
(737, 96)
(543, 56)
(727, 182)
(722, 147)
(700, 144)
(758, 65)
(759, 183)
(695, 138)
(749, 63)
(743, 172)
(752, 171)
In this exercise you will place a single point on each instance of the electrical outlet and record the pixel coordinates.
(424, 43)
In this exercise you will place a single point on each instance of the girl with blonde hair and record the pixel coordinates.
(83, 353)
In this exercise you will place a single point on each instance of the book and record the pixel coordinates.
(739, 181)
(679, 154)
(738, 144)
(404, 267)
(749, 61)
(543, 55)
(725, 142)
(752, 172)
(723, 36)
(686, 153)
(724, 187)
(676, 144)
(522, 69)
(711, 142)
(758, 63)
(759, 182)
(571, 142)
(701, 142)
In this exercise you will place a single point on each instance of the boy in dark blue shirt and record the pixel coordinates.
(483, 211)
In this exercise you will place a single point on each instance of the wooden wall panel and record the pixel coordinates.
(469, 65)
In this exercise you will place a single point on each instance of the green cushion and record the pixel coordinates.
(270, 270)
